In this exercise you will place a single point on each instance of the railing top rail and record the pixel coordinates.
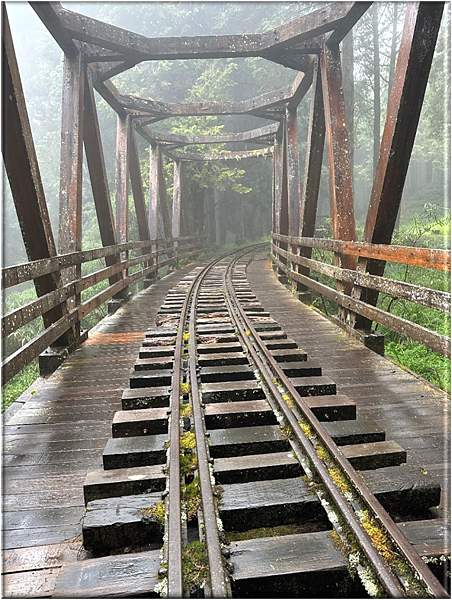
(408, 255)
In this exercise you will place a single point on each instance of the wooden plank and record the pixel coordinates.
(311, 556)
(375, 455)
(399, 289)
(268, 503)
(123, 482)
(354, 432)
(242, 441)
(26, 271)
(145, 421)
(17, 560)
(277, 465)
(37, 584)
(123, 453)
(430, 538)
(112, 523)
(134, 575)
(238, 414)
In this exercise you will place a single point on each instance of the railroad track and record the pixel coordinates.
(237, 457)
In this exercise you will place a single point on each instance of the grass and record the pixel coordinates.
(19, 383)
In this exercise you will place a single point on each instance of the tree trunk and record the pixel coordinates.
(377, 107)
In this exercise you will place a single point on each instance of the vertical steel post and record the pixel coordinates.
(341, 190)
(122, 190)
(71, 167)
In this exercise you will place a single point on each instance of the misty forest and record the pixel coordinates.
(241, 191)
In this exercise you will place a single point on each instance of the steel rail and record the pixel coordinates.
(387, 578)
(174, 544)
(218, 584)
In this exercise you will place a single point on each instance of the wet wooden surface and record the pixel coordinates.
(413, 414)
(54, 435)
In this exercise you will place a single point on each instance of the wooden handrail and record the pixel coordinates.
(436, 299)
(31, 270)
(25, 314)
(407, 255)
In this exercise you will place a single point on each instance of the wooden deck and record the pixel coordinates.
(54, 436)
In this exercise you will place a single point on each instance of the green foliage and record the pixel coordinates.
(19, 383)
(421, 360)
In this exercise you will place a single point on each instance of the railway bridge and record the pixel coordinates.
(215, 435)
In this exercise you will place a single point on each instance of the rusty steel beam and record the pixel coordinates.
(185, 217)
(239, 155)
(255, 135)
(154, 193)
(278, 168)
(122, 185)
(164, 209)
(415, 56)
(115, 39)
(355, 12)
(341, 190)
(49, 15)
(177, 205)
(98, 175)
(24, 177)
(313, 164)
(293, 172)
(71, 167)
(137, 190)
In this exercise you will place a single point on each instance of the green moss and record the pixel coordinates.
(191, 497)
(158, 510)
(195, 567)
(184, 389)
(187, 441)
